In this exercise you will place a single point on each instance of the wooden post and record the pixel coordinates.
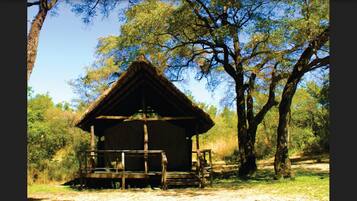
(146, 135)
(211, 167)
(197, 149)
(197, 139)
(92, 137)
(123, 172)
(163, 173)
(202, 171)
(146, 147)
(199, 165)
(197, 142)
(80, 172)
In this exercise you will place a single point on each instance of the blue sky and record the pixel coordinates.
(67, 45)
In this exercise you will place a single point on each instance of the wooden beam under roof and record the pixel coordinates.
(113, 117)
(128, 118)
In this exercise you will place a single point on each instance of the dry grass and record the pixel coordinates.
(222, 147)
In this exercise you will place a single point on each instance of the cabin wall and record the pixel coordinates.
(128, 136)
(172, 139)
(162, 136)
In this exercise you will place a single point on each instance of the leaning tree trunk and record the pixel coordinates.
(282, 164)
(32, 39)
(34, 34)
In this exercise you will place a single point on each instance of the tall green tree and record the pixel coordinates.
(311, 28)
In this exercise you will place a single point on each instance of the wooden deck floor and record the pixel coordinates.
(173, 178)
(127, 174)
(136, 174)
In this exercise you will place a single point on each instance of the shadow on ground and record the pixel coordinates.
(228, 180)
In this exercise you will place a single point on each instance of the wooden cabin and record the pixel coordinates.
(141, 129)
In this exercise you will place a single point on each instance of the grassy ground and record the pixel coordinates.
(311, 182)
(48, 188)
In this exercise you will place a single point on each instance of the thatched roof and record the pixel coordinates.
(124, 98)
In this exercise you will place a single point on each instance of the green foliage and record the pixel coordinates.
(142, 34)
(266, 135)
(319, 118)
(52, 141)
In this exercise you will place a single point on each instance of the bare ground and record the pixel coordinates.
(172, 194)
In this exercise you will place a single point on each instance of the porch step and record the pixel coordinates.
(182, 179)
(179, 175)
(183, 183)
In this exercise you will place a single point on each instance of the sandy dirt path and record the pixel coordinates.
(169, 195)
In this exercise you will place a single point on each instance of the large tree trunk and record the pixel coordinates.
(242, 124)
(282, 164)
(246, 138)
(248, 161)
(32, 39)
(248, 165)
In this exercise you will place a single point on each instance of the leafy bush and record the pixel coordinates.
(52, 141)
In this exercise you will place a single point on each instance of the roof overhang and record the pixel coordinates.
(123, 98)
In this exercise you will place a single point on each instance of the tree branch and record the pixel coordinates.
(271, 99)
(208, 12)
(95, 5)
(318, 63)
(51, 4)
(29, 4)
(303, 65)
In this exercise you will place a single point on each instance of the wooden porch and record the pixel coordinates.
(116, 171)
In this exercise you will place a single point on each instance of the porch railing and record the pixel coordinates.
(113, 161)
(203, 165)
